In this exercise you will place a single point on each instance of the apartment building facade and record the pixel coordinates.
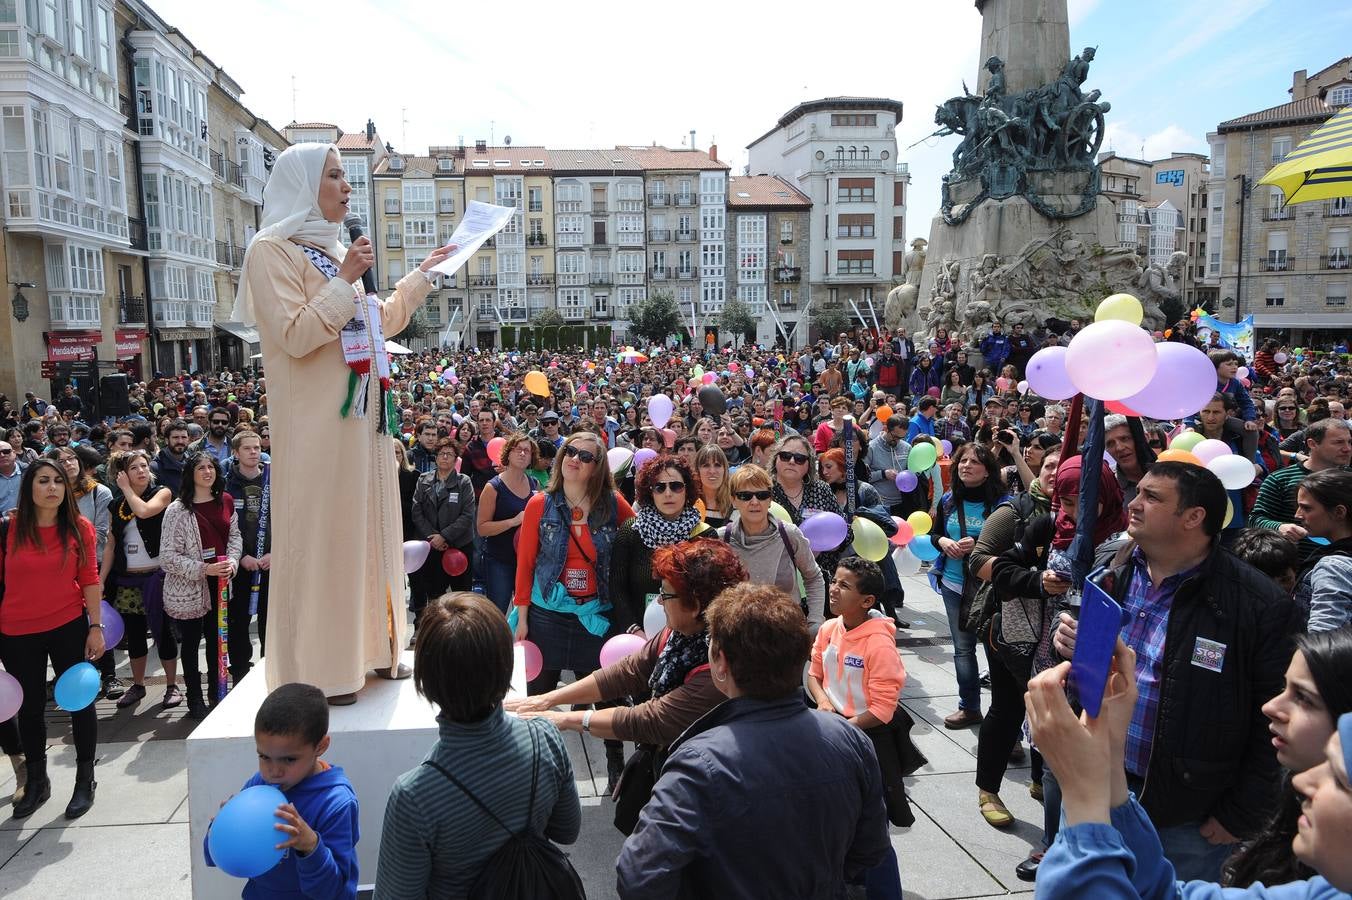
(769, 229)
(841, 152)
(1290, 266)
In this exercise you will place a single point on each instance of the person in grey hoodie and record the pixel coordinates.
(774, 552)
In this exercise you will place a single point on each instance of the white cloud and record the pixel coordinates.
(1080, 9)
(1121, 138)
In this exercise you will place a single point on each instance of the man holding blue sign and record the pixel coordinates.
(1212, 639)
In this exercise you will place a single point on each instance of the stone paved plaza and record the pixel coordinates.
(134, 843)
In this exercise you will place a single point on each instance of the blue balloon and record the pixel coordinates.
(922, 549)
(243, 838)
(77, 687)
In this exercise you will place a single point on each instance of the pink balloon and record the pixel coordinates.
(1111, 360)
(618, 647)
(1210, 449)
(1047, 374)
(1279, 358)
(1002, 383)
(669, 437)
(11, 696)
(904, 532)
(535, 660)
(709, 378)
(643, 457)
(495, 449)
(1184, 382)
(415, 554)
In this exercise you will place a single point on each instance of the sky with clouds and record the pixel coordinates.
(565, 77)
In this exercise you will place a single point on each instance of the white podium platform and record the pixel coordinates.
(388, 731)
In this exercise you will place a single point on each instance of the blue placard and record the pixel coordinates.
(1172, 176)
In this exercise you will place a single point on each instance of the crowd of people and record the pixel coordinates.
(667, 498)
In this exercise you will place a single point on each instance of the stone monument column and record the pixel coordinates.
(1031, 36)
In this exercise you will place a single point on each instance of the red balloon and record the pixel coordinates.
(1118, 406)
(454, 562)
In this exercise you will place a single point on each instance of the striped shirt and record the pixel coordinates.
(1276, 504)
(436, 840)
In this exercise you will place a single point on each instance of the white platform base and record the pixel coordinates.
(388, 731)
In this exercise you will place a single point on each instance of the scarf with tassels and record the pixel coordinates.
(363, 340)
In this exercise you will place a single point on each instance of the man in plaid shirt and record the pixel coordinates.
(951, 427)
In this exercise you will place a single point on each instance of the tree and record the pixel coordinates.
(548, 317)
(417, 327)
(654, 318)
(830, 322)
(736, 319)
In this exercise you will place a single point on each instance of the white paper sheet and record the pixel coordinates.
(480, 222)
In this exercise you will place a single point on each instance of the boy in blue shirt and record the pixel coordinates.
(319, 819)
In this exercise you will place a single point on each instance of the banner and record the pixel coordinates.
(1237, 336)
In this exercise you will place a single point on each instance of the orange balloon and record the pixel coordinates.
(884, 413)
(537, 384)
(703, 511)
(1182, 456)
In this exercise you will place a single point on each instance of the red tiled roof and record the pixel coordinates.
(311, 125)
(423, 164)
(765, 190)
(518, 159)
(1311, 109)
(354, 141)
(665, 158)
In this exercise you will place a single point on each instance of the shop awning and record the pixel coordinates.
(246, 333)
(1303, 320)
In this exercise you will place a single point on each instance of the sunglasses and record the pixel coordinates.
(801, 459)
(1286, 409)
(585, 456)
(661, 487)
(746, 496)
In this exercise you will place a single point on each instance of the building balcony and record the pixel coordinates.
(603, 314)
(1338, 208)
(840, 164)
(661, 273)
(394, 241)
(567, 206)
(569, 239)
(223, 253)
(537, 240)
(631, 239)
(659, 235)
(391, 207)
(170, 313)
(1335, 261)
(483, 281)
(599, 242)
(535, 206)
(1277, 215)
(200, 314)
(787, 304)
(690, 274)
(683, 200)
(789, 273)
(131, 310)
(1275, 264)
(76, 312)
(657, 199)
(572, 279)
(600, 278)
(685, 237)
(539, 279)
(226, 170)
(573, 313)
(599, 209)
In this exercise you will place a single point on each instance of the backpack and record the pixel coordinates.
(528, 866)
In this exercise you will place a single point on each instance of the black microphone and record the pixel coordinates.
(353, 223)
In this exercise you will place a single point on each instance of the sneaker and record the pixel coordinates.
(113, 688)
(134, 695)
(172, 697)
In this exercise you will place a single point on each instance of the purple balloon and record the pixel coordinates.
(643, 456)
(11, 696)
(1047, 376)
(1184, 382)
(906, 481)
(948, 447)
(415, 554)
(113, 627)
(824, 531)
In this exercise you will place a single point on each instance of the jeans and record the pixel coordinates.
(240, 645)
(25, 657)
(499, 580)
(1194, 857)
(964, 653)
(1051, 807)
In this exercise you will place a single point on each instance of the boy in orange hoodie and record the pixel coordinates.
(855, 669)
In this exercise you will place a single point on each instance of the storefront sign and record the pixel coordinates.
(128, 343)
(70, 346)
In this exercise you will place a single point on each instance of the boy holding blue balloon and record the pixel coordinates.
(318, 818)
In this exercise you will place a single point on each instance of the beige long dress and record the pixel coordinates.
(336, 596)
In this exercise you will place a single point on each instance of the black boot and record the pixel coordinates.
(83, 797)
(37, 790)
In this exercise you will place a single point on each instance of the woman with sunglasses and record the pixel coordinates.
(563, 598)
(1286, 420)
(802, 493)
(774, 552)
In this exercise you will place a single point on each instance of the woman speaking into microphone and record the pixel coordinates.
(337, 574)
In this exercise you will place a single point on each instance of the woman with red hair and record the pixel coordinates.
(673, 666)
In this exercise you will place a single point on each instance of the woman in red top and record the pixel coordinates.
(50, 611)
(199, 544)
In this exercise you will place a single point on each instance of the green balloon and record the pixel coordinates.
(445, 361)
(1186, 441)
(921, 458)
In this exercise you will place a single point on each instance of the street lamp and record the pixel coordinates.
(20, 303)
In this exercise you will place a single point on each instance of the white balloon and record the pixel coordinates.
(1235, 472)
(654, 619)
(906, 562)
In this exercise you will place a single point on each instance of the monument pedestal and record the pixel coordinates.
(388, 731)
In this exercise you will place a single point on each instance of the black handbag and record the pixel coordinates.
(635, 786)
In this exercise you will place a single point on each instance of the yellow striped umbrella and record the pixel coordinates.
(1321, 167)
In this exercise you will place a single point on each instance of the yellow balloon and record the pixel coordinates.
(869, 540)
(537, 384)
(1229, 512)
(780, 513)
(1120, 306)
(920, 522)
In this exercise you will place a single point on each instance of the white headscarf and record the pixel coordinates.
(291, 210)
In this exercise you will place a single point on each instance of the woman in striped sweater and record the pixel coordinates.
(436, 839)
